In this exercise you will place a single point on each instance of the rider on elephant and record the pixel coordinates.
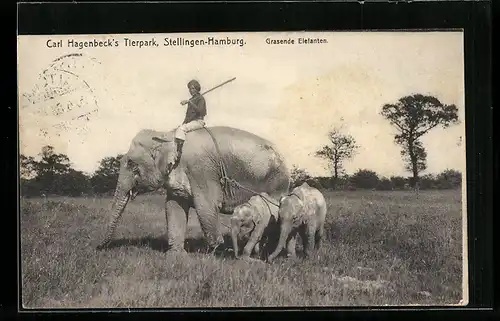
(195, 114)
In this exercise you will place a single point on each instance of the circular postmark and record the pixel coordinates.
(65, 93)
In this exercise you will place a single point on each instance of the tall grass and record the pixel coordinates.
(381, 248)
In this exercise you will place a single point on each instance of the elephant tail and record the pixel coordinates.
(321, 216)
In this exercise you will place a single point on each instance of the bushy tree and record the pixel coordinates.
(427, 181)
(325, 182)
(27, 166)
(414, 116)
(30, 187)
(385, 184)
(105, 177)
(365, 179)
(343, 182)
(398, 182)
(314, 183)
(449, 179)
(341, 148)
(73, 183)
(48, 169)
(52, 162)
(298, 175)
(51, 174)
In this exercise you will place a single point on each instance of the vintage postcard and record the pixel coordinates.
(244, 169)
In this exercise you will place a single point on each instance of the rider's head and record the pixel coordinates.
(194, 87)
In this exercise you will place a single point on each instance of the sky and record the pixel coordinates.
(290, 94)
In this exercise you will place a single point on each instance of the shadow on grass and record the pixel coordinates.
(155, 243)
(160, 243)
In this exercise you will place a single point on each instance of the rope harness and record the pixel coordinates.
(226, 180)
(295, 196)
(222, 166)
(254, 226)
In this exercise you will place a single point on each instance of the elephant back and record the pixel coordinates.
(252, 163)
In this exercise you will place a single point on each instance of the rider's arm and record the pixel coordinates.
(199, 105)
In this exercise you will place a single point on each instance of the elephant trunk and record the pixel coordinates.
(120, 200)
(235, 230)
(285, 228)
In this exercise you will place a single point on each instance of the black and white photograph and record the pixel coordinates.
(242, 169)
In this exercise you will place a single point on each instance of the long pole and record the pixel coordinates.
(225, 82)
(220, 85)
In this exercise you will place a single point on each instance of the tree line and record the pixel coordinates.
(368, 179)
(51, 173)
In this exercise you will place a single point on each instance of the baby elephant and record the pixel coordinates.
(303, 212)
(257, 216)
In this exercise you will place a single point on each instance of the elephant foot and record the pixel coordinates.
(270, 260)
(248, 258)
(241, 257)
(214, 244)
(272, 257)
(244, 256)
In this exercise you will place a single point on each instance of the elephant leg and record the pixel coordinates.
(263, 248)
(305, 238)
(176, 212)
(253, 241)
(207, 201)
(291, 245)
(285, 229)
(311, 239)
(319, 236)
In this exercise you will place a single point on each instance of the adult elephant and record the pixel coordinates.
(199, 180)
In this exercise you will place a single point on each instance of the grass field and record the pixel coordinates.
(381, 248)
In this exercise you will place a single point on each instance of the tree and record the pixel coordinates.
(398, 182)
(449, 179)
(365, 178)
(298, 176)
(385, 184)
(51, 174)
(73, 183)
(50, 166)
(325, 182)
(428, 181)
(51, 163)
(344, 182)
(342, 147)
(27, 166)
(105, 177)
(414, 116)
